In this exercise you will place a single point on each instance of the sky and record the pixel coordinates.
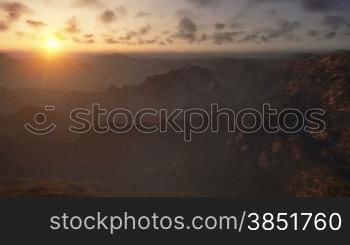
(175, 25)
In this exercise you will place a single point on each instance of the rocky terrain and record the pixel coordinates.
(223, 164)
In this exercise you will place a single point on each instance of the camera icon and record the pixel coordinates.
(40, 119)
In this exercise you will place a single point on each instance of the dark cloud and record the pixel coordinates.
(204, 37)
(250, 38)
(220, 38)
(284, 28)
(142, 14)
(110, 40)
(4, 26)
(83, 3)
(317, 5)
(330, 35)
(204, 3)
(187, 30)
(72, 26)
(154, 40)
(35, 24)
(220, 26)
(325, 5)
(128, 36)
(13, 11)
(187, 25)
(85, 39)
(169, 41)
(335, 21)
(107, 16)
(132, 35)
(309, 5)
(145, 29)
(312, 33)
(264, 39)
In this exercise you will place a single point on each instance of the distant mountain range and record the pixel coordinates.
(96, 73)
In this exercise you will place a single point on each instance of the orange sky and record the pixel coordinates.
(167, 25)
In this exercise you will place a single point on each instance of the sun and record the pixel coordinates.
(52, 44)
(52, 47)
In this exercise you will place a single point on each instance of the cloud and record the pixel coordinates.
(284, 28)
(84, 3)
(187, 25)
(4, 26)
(142, 14)
(85, 39)
(317, 5)
(312, 33)
(13, 11)
(169, 40)
(72, 26)
(35, 24)
(121, 11)
(25, 35)
(220, 26)
(220, 38)
(154, 40)
(204, 3)
(132, 35)
(249, 38)
(187, 30)
(110, 40)
(145, 29)
(330, 35)
(325, 5)
(107, 16)
(334, 21)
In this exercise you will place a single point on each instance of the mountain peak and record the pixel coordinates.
(200, 79)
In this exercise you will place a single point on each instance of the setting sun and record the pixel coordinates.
(52, 44)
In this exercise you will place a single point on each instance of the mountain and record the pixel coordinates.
(212, 164)
(187, 87)
(100, 71)
(310, 164)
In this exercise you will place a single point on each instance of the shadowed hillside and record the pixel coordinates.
(162, 164)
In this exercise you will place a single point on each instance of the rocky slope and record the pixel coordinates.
(311, 164)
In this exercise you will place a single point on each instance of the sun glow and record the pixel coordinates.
(52, 47)
(52, 44)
